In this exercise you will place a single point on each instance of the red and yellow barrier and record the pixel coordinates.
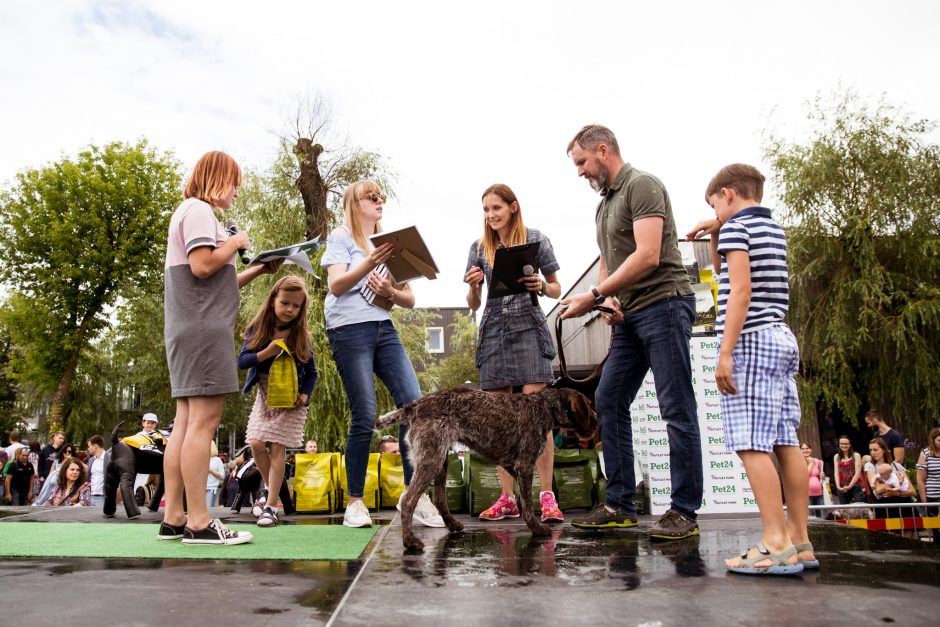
(893, 524)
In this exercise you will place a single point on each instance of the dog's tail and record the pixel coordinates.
(117, 430)
(391, 418)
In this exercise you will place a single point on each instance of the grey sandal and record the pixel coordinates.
(780, 562)
(812, 564)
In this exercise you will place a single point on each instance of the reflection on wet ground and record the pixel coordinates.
(511, 556)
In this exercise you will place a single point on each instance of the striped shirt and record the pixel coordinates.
(755, 232)
(932, 484)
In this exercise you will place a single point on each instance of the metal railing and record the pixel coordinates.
(895, 517)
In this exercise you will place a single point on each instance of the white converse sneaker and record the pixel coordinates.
(426, 514)
(357, 515)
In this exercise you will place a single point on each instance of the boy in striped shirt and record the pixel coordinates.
(758, 360)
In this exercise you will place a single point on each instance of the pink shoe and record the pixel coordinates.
(504, 507)
(550, 511)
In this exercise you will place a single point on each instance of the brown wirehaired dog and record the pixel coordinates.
(507, 429)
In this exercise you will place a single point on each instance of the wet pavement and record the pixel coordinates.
(492, 574)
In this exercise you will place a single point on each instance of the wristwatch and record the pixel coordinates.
(598, 297)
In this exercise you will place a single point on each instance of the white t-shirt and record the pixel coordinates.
(12, 449)
(96, 470)
(215, 464)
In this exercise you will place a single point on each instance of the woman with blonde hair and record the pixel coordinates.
(514, 349)
(364, 341)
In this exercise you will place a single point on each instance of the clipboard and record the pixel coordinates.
(411, 259)
(507, 269)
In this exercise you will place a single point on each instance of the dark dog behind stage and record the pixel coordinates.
(507, 429)
(129, 456)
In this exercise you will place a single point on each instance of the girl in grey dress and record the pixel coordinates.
(200, 304)
(514, 348)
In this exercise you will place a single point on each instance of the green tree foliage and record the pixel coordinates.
(77, 233)
(9, 419)
(460, 366)
(862, 210)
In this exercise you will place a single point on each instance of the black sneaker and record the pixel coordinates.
(170, 532)
(674, 525)
(215, 533)
(602, 518)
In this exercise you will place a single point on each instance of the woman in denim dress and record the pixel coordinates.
(514, 348)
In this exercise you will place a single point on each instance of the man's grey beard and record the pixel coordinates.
(599, 184)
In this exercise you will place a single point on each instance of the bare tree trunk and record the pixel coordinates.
(58, 411)
(312, 188)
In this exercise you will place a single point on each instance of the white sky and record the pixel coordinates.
(458, 95)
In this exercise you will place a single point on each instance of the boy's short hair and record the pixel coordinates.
(745, 179)
(97, 440)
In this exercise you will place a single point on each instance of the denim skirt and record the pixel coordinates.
(514, 347)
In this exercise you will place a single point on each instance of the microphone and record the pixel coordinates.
(232, 230)
(528, 270)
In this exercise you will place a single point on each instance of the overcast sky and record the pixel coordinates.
(458, 96)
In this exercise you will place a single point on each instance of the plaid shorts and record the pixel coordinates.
(766, 410)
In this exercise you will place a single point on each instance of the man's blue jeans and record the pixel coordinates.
(655, 337)
(359, 350)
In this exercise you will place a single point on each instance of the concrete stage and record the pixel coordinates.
(491, 574)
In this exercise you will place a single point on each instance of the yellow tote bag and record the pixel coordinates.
(315, 482)
(391, 479)
(282, 379)
(371, 489)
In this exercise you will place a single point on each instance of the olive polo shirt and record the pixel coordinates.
(632, 196)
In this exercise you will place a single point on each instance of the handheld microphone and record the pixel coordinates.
(528, 270)
(242, 252)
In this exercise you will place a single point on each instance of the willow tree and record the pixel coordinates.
(76, 234)
(861, 200)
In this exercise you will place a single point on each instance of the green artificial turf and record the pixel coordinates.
(137, 540)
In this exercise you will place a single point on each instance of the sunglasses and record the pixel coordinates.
(375, 197)
(388, 438)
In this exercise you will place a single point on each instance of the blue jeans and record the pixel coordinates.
(817, 500)
(360, 350)
(655, 337)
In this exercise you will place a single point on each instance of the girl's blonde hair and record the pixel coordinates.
(260, 331)
(213, 449)
(212, 178)
(351, 197)
(517, 233)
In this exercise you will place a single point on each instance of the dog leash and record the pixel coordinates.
(563, 366)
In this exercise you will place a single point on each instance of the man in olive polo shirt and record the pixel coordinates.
(652, 317)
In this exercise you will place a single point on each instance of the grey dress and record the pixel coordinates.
(514, 346)
(199, 314)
